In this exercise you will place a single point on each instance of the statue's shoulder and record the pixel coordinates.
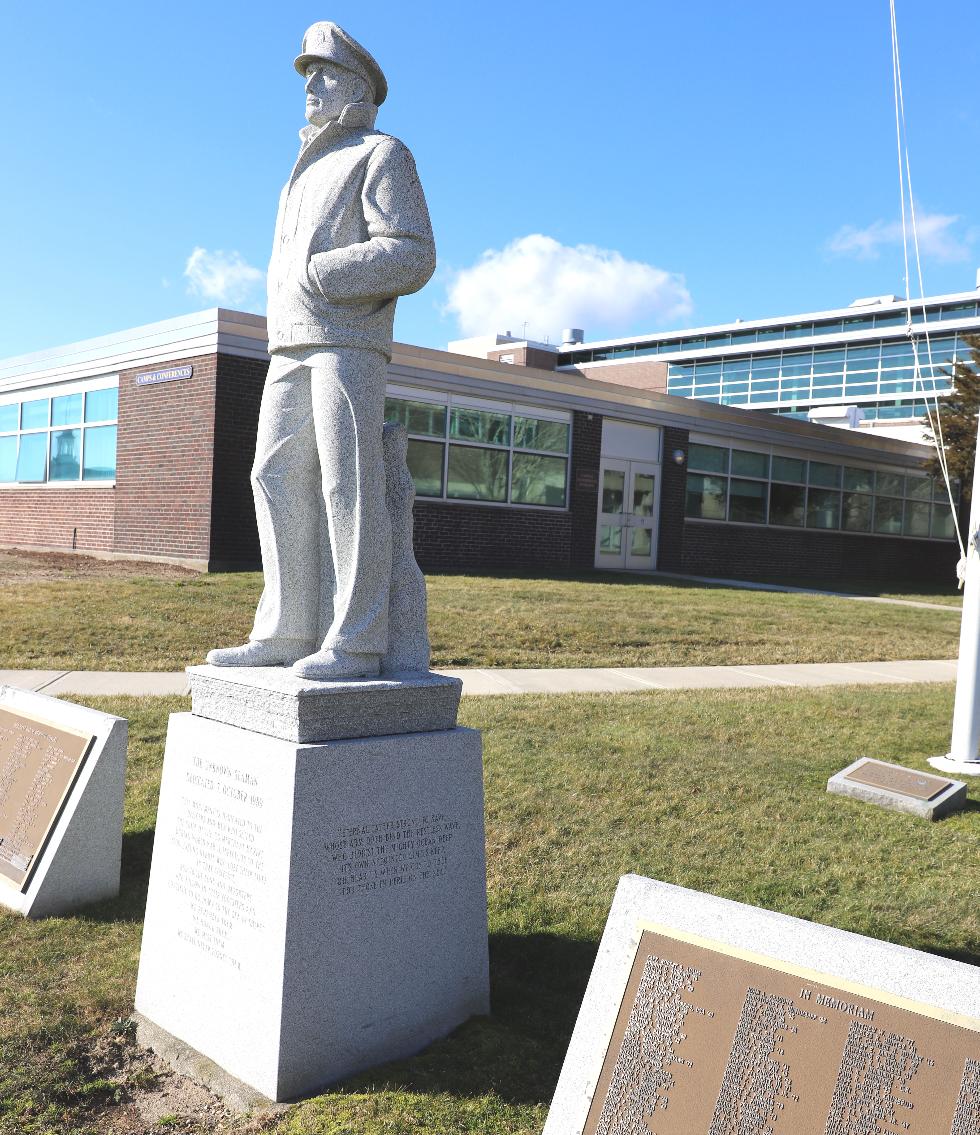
(386, 143)
(388, 152)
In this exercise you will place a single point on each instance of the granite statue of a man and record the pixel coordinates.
(352, 235)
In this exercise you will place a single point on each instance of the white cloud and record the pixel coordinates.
(552, 286)
(222, 277)
(937, 238)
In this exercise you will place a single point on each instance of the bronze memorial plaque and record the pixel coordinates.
(39, 763)
(905, 781)
(716, 1041)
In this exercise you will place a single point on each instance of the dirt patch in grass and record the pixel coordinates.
(140, 1094)
(26, 567)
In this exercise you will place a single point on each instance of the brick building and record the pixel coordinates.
(139, 445)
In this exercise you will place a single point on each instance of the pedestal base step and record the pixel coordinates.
(273, 701)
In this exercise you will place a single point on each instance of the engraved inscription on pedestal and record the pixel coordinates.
(39, 763)
(908, 782)
(719, 1041)
(390, 853)
(220, 871)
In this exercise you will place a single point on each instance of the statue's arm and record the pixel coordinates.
(399, 255)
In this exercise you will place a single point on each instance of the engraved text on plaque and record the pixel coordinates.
(714, 1040)
(39, 763)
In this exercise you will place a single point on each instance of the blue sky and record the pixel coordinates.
(674, 165)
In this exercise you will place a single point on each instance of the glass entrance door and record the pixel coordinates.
(611, 529)
(629, 509)
(643, 501)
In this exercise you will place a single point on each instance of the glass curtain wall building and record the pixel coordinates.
(864, 355)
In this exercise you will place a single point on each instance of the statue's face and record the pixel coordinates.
(328, 90)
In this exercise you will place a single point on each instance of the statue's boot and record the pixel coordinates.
(337, 665)
(283, 653)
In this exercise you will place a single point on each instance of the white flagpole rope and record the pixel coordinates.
(905, 180)
(964, 755)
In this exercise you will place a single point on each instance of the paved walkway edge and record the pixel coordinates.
(752, 585)
(478, 681)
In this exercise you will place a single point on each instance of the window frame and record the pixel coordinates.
(450, 401)
(912, 484)
(50, 393)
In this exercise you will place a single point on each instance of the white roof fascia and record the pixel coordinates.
(829, 342)
(200, 333)
(779, 321)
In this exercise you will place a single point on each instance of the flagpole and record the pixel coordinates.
(963, 758)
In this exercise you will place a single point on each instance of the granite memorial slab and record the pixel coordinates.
(705, 1015)
(62, 779)
(275, 701)
(314, 910)
(899, 789)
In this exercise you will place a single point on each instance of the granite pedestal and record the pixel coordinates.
(314, 908)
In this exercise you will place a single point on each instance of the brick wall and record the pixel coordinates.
(586, 449)
(645, 375)
(51, 517)
(738, 551)
(525, 356)
(234, 537)
(461, 537)
(673, 487)
(164, 461)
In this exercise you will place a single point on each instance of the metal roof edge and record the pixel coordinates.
(612, 400)
(772, 321)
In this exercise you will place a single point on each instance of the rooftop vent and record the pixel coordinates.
(572, 336)
(869, 301)
(844, 417)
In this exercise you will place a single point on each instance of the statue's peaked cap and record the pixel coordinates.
(325, 40)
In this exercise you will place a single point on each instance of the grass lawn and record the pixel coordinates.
(720, 791)
(137, 618)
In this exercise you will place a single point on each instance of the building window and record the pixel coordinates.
(707, 496)
(100, 454)
(787, 505)
(496, 453)
(755, 487)
(477, 474)
(747, 501)
(69, 437)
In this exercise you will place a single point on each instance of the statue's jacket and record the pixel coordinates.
(352, 235)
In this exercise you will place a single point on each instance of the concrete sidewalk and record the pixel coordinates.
(559, 681)
(750, 585)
